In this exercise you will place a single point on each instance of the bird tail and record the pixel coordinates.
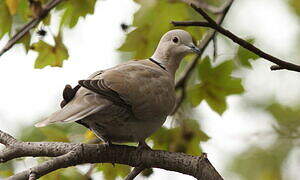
(51, 119)
(69, 113)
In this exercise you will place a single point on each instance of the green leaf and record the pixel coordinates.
(264, 164)
(196, 94)
(50, 55)
(6, 169)
(216, 84)
(185, 138)
(295, 4)
(26, 41)
(62, 133)
(111, 172)
(65, 174)
(243, 55)
(5, 19)
(151, 25)
(287, 119)
(74, 9)
(23, 11)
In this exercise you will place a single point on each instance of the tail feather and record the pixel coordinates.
(69, 114)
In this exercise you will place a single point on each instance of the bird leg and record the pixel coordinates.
(138, 169)
(107, 144)
(143, 145)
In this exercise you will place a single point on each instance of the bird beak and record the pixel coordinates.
(194, 48)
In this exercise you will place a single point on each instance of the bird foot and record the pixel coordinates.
(143, 146)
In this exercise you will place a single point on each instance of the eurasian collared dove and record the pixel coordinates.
(130, 101)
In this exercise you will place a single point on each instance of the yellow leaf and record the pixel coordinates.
(89, 135)
(12, 6)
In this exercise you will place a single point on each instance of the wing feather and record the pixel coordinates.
(99, 86)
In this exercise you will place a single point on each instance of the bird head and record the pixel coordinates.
(178, 42)
(172, 47)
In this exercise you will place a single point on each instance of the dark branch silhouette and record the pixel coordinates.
(216, 26)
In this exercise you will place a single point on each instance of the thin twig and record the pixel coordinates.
(215, 49)
(276, 67)
(214, 25)
(26, 28)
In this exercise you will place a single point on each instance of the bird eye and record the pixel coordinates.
(175, 39)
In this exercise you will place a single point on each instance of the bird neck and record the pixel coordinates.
(170, 63)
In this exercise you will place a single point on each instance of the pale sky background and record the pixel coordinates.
(27, 94)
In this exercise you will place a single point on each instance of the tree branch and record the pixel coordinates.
(182, 80)
(214, 25)
(26, 28)
(71, 154)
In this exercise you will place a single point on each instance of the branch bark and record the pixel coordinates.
(34, 22)
(71, 154)
(281, 64)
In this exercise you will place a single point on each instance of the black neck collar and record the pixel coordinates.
(151, 59)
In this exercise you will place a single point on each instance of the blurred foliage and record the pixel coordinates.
(269, 163)
(287, 120)
(65, 174)
(6, 169)
(295, 4)
(185, 138)
(262, 164)
(5, 19)
(150, 25)
(212, 82)
(111, 172)
(243, 56)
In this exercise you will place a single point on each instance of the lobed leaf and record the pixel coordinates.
(216, 84)
(50, 55)
(243, 56)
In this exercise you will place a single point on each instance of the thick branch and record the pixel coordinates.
(212, 24)
(26, 28)
(71, 154)
(182, 80)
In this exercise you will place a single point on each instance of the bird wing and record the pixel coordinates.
(99, 86)
(141, 86)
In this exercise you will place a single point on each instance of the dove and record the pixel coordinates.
(128, 102)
